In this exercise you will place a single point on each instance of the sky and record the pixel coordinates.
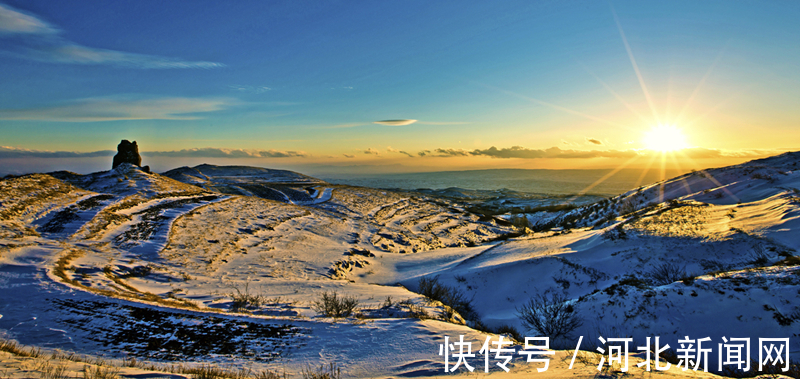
(398, 86)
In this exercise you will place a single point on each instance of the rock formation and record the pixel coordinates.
(128, 152)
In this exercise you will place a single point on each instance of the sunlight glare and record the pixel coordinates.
(665, 138)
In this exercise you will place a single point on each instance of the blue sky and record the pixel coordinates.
(300, 84)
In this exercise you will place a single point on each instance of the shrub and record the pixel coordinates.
(628, 206)
(449, 296)
(520, 221)
(331, 304)
(666, 273)
(414, 311)
(789, 261)
(510, 331)
(550, 315)
(758, 257)
(616, 233)
(243, 300)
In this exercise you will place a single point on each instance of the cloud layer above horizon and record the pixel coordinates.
(207, 152)
(517, 152)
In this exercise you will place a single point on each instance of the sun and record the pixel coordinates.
(664, 138)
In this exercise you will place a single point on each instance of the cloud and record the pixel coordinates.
(251, 89)
(391, 150)
(558, 153)
(349, 156)
(443, 153)
(593, 141)
(16, 152)
(207, 152)
(212, 152)
(116, 109)
(13, 21)
(372, 151)
(38, 40)
(395, 122)
(60, 51)
(553, 152)
(451, 153)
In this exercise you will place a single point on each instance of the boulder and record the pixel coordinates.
(127, 152)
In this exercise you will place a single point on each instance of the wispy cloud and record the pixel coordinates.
(61, 51)
(213, 152)
(115, 109)
(17, 152)
(558, 153)
(594, 141)
(349, 156)
(38, 40)
(371, 151)
(392, 150)
(443, 153)
(207, 152)
(250, 89)
(553, 152)
(451, 153)
(400, 122)
(13, 21)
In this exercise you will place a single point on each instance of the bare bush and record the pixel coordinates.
(244, 300)
(627, 207)
(449, 296)
(520, 221)
(666, 273)
(331, 304)
(550, 315)
(509, 331)
(758, 257)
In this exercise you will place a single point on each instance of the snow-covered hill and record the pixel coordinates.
(280, 185)
(128, 262)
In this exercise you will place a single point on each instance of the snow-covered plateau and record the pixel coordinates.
(231, 266)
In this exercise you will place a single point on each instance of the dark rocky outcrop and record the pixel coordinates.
(128, 152)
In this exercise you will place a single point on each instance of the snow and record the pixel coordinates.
(129, 256)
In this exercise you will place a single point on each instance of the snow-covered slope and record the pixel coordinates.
(709, 254)
(164, 269)
(281, 185)
(206, 173)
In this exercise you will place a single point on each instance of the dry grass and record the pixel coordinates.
(331, 372)
(55, 365)
(100, 372)
(50, 370)
(15, 348)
